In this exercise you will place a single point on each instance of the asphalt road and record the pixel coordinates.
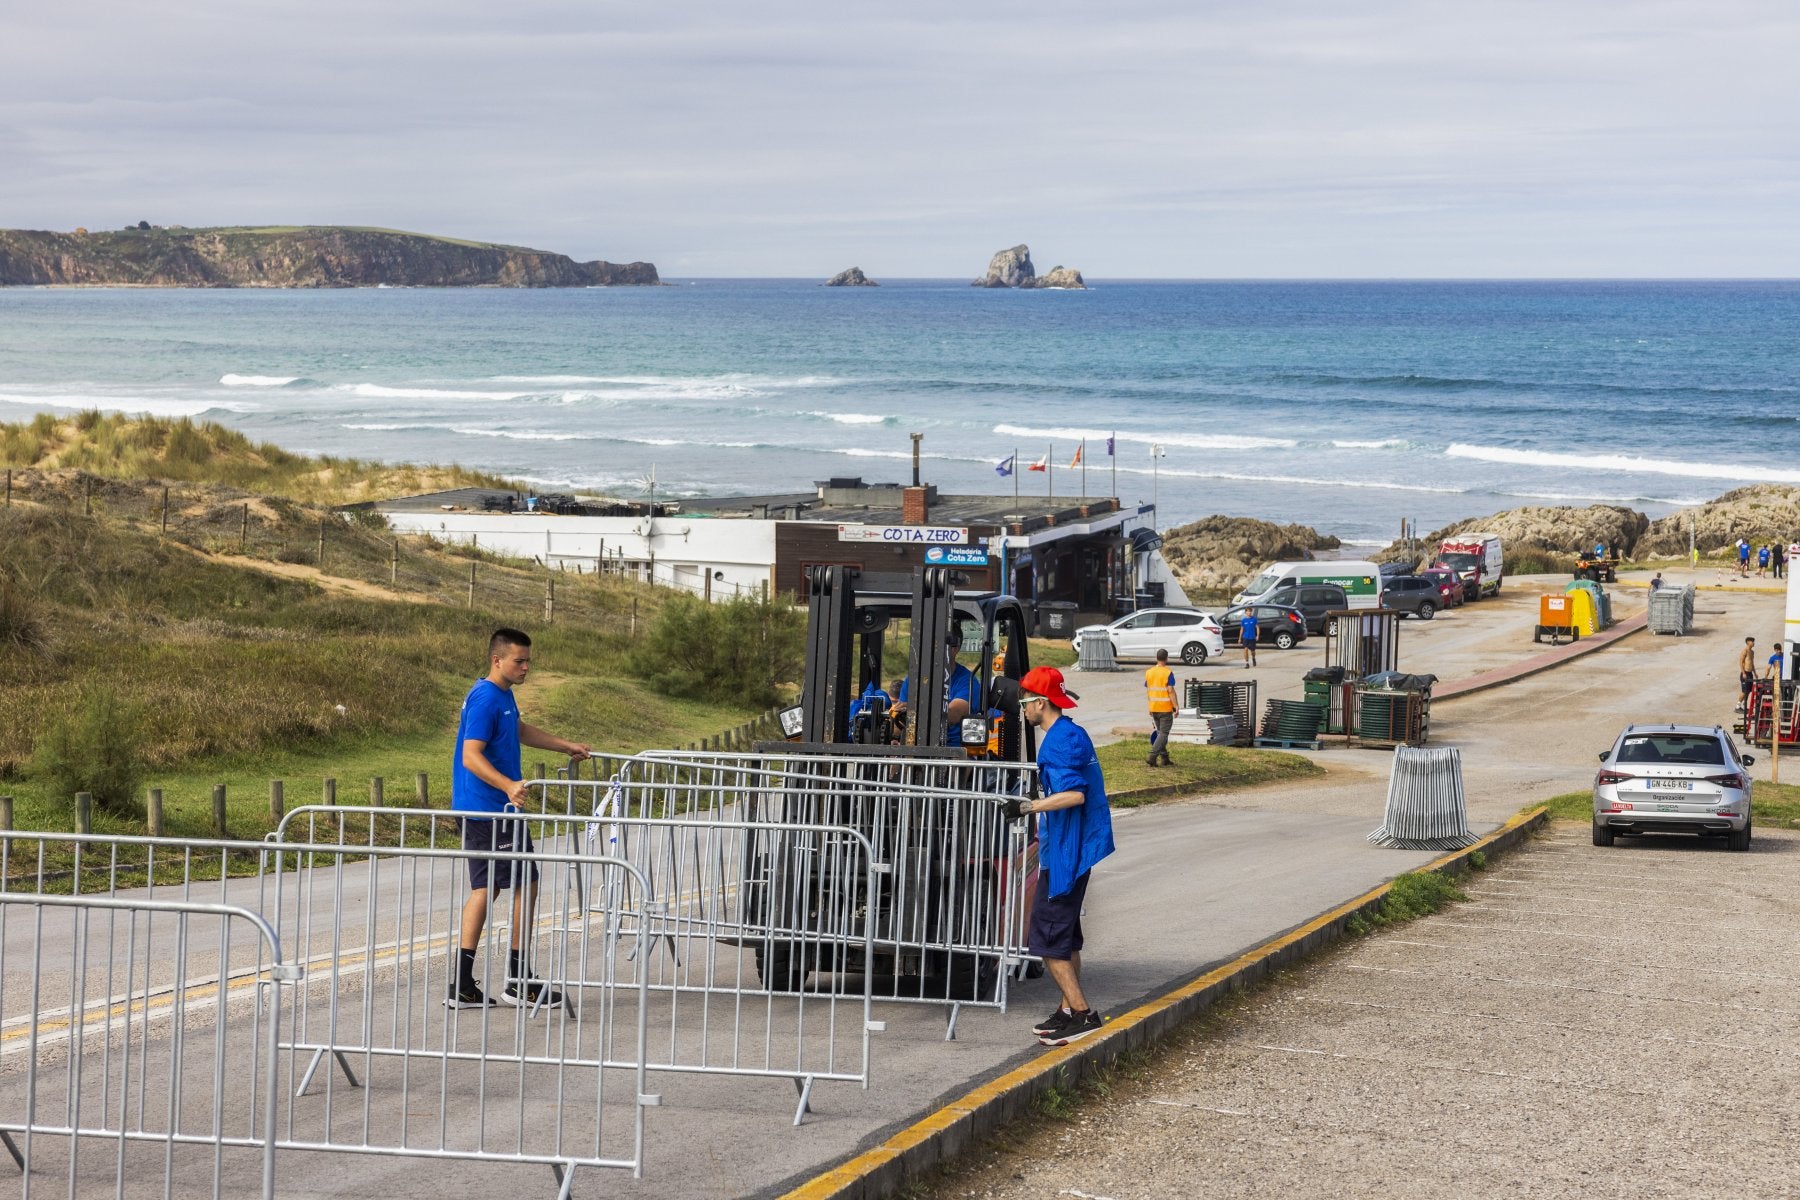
(1194, 883)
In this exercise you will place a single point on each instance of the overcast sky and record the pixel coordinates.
(1127, 138)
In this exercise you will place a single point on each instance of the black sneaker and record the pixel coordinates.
(1055, 1021)
(469, 995)
(1079, 1025)
(532, 993)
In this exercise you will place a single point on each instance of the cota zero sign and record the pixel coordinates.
(904, 535)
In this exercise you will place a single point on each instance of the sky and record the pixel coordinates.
(1125, 138)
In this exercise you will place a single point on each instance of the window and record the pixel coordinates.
(1695, 749)
(1175, 620)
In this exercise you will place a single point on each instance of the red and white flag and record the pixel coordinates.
(1042, 464)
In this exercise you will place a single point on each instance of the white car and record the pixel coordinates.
(1189, 635)
(1673, 779)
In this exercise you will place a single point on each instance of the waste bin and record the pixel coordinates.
(1056, 618)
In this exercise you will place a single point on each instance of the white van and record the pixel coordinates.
(1360, 580)
(1478, 561)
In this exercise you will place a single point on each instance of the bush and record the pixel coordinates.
(96, 749)
(738, 651)
(24, 626)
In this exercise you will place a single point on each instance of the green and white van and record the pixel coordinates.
(1360, 580)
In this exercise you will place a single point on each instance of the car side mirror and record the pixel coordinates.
(1603, 755)
(1749, 760)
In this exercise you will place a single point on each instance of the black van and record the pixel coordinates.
(1312, 599)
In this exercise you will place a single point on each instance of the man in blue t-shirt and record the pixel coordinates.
(1075, 834)
(486, 780)
(1247, 635)
(962, 692)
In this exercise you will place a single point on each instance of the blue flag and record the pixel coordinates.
(1109, 447)
(1005, 466)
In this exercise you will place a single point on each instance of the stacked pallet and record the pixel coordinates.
(1289, 723)
(1425, 807)
(1196, 728)
(1672, 609)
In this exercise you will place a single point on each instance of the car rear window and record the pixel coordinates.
(1699, 749)
(1171, 620)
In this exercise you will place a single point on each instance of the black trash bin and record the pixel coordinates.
(1056, 618)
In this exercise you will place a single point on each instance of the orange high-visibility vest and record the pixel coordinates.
(1160, 682)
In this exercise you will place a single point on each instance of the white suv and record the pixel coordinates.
(1673, 779)
(1189, 635)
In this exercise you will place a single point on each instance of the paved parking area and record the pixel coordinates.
(1594, 1022)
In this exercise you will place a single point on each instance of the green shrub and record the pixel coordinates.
(94, 749)
(738, 651)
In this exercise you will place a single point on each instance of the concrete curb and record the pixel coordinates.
(1457, 689)
(941, 1136)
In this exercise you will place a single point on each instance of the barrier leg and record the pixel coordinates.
(312, 1066)
(565, 1180)
(950, 1022)
(805, 1090)
(12, 1148)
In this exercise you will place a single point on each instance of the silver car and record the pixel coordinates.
(1673, 779)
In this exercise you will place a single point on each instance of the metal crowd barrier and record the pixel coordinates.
(113, 1078)
(950, 907)
(374, 929)
(703, 943)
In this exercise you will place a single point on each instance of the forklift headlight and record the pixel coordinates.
(792, 722)
(975, 731)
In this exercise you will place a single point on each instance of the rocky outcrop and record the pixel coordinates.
(1060, 277)
(1012, 269)
(319, 256)
(1221, 553)
(1560, 530)
(1763, 513)
(851, 278)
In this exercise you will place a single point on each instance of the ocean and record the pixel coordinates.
(1342, 405)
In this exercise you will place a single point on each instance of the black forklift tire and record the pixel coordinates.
(781, 966)
(1194, 654)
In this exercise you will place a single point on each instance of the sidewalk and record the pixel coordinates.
(1541, 662)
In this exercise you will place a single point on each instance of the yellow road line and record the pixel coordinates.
(834, 1181)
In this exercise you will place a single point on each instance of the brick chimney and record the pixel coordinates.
(915, 507)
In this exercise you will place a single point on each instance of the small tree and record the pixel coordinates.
(737, 651)
(97, 749)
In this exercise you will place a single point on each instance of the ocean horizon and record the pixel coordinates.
(1345, 405)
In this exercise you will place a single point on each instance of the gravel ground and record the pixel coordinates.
(1593, 1022)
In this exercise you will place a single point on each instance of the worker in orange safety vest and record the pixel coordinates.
(1159, 683)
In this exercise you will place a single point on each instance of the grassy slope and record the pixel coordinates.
(1196, 769)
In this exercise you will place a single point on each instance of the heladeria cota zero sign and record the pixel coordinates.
(905, 535)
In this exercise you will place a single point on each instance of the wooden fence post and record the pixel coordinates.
(376, 793)
(84, 812)
(219, 810)
(87, 497)
(244, 531)
(155, 813)
(471, 583)
(550, 600)
(277, 800)
(422, 790)
(165, 510)
(321, 543)
(6, 808)
(330, 792)
(394, 565)
(9, 487)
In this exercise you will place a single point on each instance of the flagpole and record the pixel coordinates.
(1015, 474)
(1050, 471)
(1112, 455)
(1084, 470)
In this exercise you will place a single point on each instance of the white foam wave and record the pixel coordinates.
(848, 418)
(1623, 462)
(1240, 477)
(376, 391)
(1380, 444)
(520, 435)
(230, 380)
(1097, 438)
(137, 405)
(1601, 498)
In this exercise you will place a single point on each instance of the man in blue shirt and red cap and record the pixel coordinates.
(1076, 833)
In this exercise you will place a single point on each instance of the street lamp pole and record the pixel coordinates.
(1156, 452)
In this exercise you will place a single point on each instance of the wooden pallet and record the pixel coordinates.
(1271, 743)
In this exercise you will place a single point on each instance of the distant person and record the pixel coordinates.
(1599, 549)
(1762, 561)
(1743, 548)
(1777, 560)
(1773, 672)
(1159, 686)
(1746, 671)
(962, 691)
(1247, 637)
(1075, 835)
(1656, 581)
(485, 781)
(1694, 557)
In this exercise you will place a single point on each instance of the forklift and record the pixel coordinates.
(952, 871)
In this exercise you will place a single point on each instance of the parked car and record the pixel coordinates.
(1276, 625)
(1673, 779)
(1391, 569)
(1412, 594)
(1189, 635)
(1451, 589)
(1313, 600)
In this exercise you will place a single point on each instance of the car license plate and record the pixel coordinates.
(1671, 785)
(1668, 808)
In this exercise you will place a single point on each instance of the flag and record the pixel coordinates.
(1004, 467)
(1109, 447)
(1042, 464)
(1076, 461)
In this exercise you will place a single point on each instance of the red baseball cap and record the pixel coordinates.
(1048, 683)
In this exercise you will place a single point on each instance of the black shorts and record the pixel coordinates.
(1056, 923)
(1745, 679)
(494, 833)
